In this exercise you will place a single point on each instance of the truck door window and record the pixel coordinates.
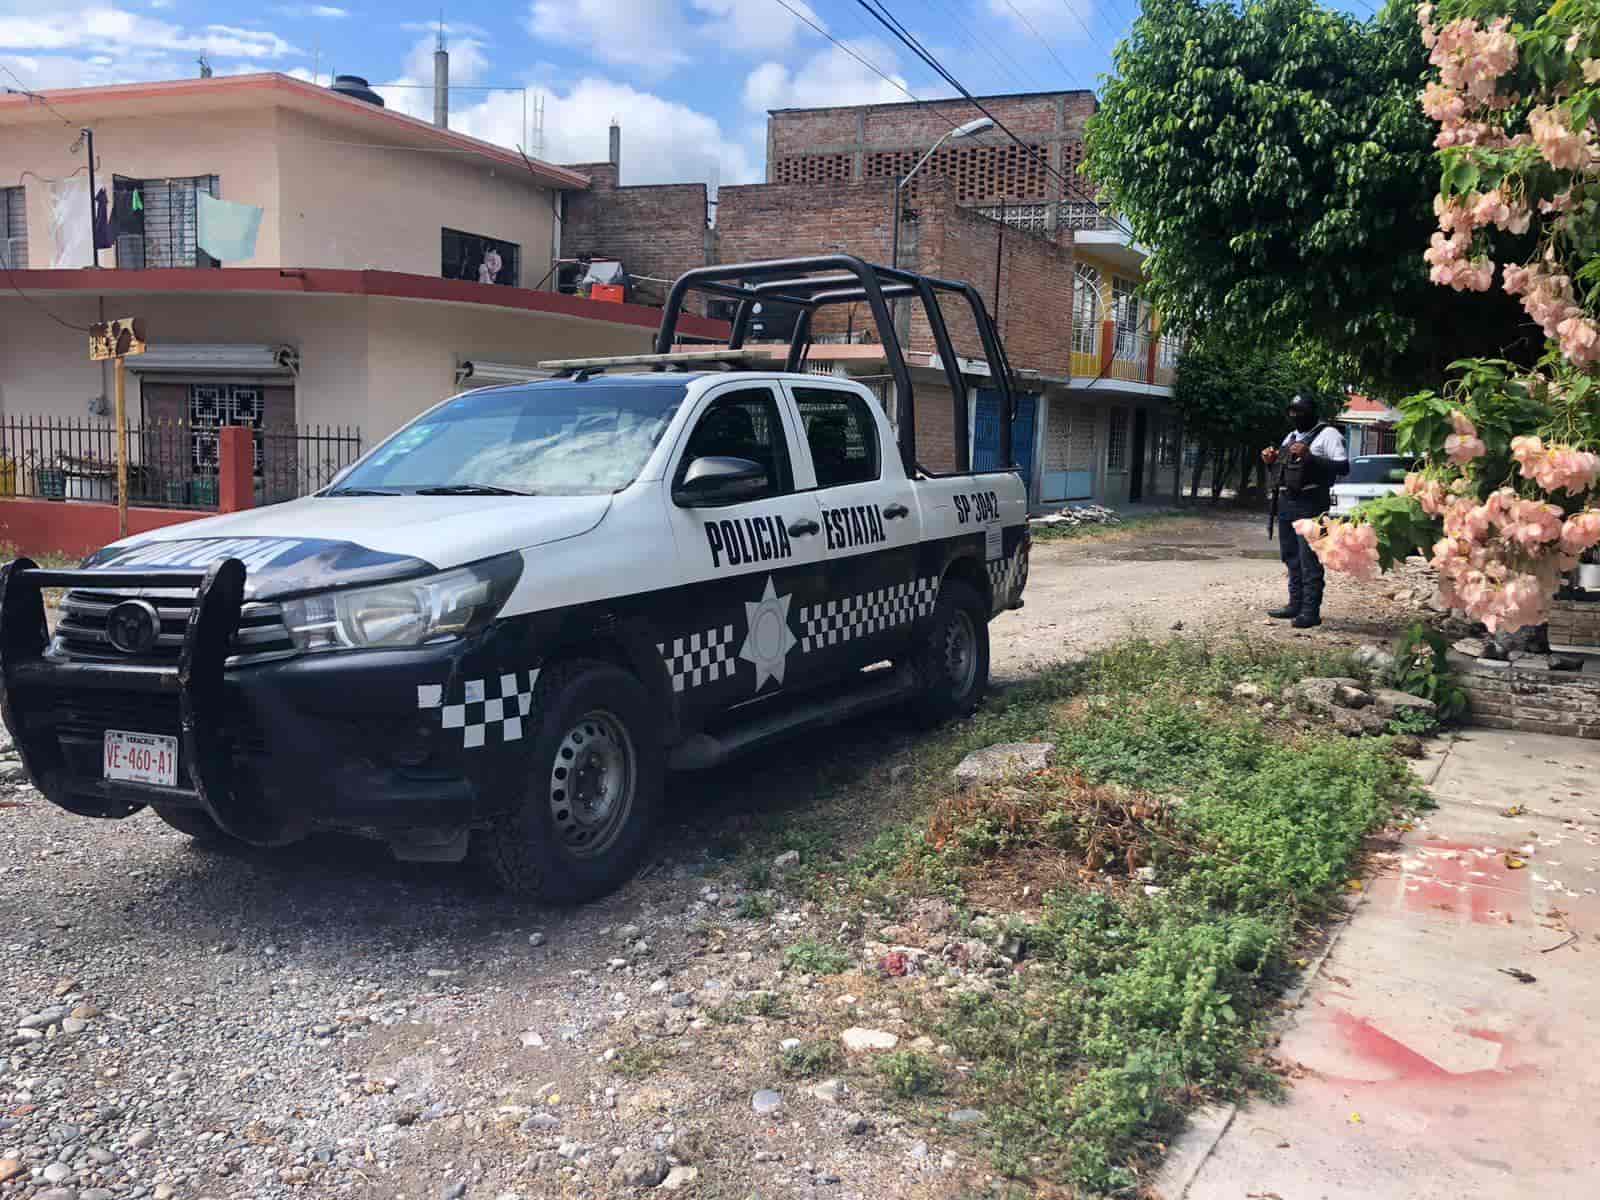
(744, 424)
(841, 433)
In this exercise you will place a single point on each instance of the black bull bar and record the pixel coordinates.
(27, 677)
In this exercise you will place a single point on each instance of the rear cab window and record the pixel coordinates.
(841, 435)
(1379, 469)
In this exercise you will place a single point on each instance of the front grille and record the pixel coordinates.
(81, 631)
(81, 717)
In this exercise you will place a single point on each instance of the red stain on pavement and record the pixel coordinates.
(1407, 1066)
(1464, 881)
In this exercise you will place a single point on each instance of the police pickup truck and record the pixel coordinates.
(497, 630)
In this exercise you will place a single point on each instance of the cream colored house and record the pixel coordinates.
(353, 308)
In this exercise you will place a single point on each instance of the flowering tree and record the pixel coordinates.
(1506, 498)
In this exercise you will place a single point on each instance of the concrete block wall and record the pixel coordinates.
(1527, 695)
(881, 140)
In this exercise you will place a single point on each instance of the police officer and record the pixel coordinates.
(1310, 458)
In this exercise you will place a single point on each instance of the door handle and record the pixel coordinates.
(804, 528)
(896, 510)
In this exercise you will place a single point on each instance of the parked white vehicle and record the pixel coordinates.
(504, 623)
(1370, 476)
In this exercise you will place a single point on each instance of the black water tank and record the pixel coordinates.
(357, 88)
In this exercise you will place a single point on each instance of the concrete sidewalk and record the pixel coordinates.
(1422, 1069)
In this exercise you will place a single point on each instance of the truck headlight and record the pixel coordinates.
(407, 613)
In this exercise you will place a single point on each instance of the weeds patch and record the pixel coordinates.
(817, 958)
(807, 1061)
(1186, 845)
(909, 1075)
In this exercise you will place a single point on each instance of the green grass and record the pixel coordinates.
(642, 1061)
(808, 1060)
(755, 907)
(812, 957)
(1135, 1008)
(909, 1075)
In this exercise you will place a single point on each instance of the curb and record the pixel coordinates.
(1207, 1127)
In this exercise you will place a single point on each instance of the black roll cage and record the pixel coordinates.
(798, 282)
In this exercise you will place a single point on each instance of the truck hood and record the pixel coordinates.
(337, 541)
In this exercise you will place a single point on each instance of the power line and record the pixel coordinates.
(892, 82)
(1009, 68)
(1067, 4)
(33, 95)
(15, 287)
(1049, 49)
(887, 19)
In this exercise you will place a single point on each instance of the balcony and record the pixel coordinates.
(1077, 215)
(1103, 353)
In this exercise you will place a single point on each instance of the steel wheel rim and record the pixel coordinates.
(592, 784)
(958, 651)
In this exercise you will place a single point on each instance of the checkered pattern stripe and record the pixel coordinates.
(860, 616)
(498, 702)
(699, 658)
(1003, 574)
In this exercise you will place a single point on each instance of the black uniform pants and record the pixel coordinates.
(1305, 568)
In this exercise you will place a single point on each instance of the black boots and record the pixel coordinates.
(1284, 613)
(1307, 620)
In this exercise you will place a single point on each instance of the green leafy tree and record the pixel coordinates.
(1233, 402)
(1275, 157)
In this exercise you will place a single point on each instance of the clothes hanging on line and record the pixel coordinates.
(225, 230)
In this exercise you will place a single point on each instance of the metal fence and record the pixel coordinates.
(171, 464)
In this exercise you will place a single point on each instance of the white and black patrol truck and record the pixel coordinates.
(496, 631)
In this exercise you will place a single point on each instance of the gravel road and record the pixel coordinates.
(320, 1021)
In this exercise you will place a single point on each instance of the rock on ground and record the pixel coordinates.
(1002, 760)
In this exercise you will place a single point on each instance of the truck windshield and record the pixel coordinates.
(549, 439)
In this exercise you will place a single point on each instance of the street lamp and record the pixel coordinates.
(960, 131)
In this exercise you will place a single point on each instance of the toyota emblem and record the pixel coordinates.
(133, 626)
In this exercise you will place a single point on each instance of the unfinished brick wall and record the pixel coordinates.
(654, 229)
(1527, 695)
(1034, 313)
(884, 140)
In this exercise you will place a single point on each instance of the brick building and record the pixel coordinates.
(657, 231)
(1017, 221)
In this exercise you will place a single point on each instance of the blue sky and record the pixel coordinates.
(689, 80)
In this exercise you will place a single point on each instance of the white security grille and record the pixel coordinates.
(214, 405)
(14, 227)
(170, 237)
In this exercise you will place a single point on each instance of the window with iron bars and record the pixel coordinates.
(214, 405)
(14, 227)
(1085, 309)
(1167, 446)
(156, 221)
(1117, 441)
(1171, 348)
(1125, 310)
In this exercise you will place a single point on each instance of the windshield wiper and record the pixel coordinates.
(363, 492)
(469, 489)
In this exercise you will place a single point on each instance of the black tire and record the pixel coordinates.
(191, 821)
(561, 847)
(952, 684)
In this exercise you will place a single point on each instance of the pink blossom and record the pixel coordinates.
(1562, 147)
(1443, 104)
(1343, 546)
(1580, 339)
(1430, 493)
(1581, 532)
(1591, 70)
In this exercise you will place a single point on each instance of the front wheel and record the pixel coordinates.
(951, 659)
(593, 789)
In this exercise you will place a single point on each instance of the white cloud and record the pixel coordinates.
(326, 12)
(412, 92)
(99, 27)
(647, 35)
(829, 77)
(663, 141)
(1064, 19)
(748, 28)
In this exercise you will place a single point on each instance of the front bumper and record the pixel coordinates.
(269, 751)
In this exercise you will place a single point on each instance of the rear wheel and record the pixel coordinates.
(191, 821)
(593, 789)
(951, 660)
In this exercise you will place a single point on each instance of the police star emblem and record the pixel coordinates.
(768, 640)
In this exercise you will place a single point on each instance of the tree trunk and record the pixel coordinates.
(1201, 451)
(1222, 467)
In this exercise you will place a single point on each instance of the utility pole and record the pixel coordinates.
(94, 242)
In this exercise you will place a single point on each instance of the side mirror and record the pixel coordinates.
(715, 480)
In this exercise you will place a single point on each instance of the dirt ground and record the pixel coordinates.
(321, 1021)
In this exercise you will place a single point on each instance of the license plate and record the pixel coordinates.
(141, 758)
